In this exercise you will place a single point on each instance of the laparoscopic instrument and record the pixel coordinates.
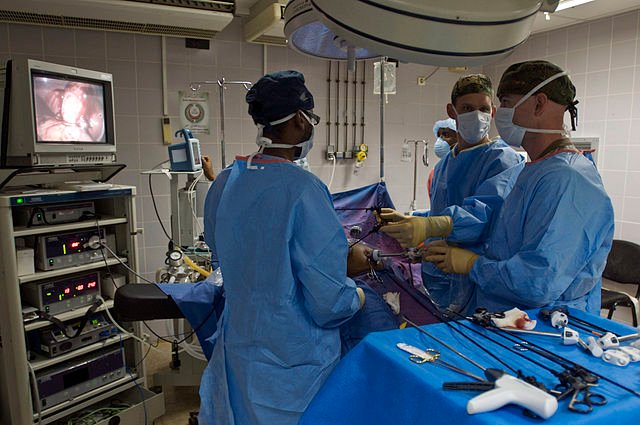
(574, 369)
(500, 388)
(575, 381)
(433, 356)
(559, 317)
(414, 255)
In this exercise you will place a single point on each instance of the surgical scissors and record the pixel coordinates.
(582, 398)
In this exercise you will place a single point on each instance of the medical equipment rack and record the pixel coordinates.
(116, 213)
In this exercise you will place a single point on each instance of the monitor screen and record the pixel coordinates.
(68, 110)
(195, 154)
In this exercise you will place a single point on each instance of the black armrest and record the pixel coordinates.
(136, 302)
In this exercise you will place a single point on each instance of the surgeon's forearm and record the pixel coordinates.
(470, 222)
(345, 305)
(519, 281)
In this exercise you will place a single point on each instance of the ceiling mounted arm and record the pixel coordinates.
(549, 6)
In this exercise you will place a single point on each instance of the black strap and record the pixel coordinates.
(573, 111)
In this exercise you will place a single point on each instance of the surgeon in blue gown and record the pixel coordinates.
(469, 186)
(283, 256)
(551, 240)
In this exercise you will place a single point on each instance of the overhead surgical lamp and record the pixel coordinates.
(437, 32)
(307, 34)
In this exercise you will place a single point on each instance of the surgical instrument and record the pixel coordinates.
(507, 389)
(575, 387)
(432, 356)
(568, 335)
(438, 340)
(544, 353)
(558, 317)
(573, 318)
(629, 337)
(413, 254)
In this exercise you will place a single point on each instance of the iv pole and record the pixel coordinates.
(222, 83)
(425, 161)
(382, 62)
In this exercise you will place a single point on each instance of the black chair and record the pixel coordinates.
(623, 267)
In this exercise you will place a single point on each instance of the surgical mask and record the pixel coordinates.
(265, 142)
(307, 144)
(513, 133)
(473, 126)
(303, 163)
(441, 147)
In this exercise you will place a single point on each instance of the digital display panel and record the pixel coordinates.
(69, 288)
(67, 110)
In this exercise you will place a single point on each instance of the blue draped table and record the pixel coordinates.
(376, 383)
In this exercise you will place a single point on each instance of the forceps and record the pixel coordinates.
(432, 356)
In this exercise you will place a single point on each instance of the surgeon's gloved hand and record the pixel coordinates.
(361, 296)
(450, 259)
(358, 260)
(412, 230)
(390, 215)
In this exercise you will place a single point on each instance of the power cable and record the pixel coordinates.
(155, 208)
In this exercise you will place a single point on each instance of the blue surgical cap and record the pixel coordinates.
(448, 123)
(277, 95)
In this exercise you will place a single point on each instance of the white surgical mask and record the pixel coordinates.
(307, 144)
(303, 163)
(513, 133)
(265, 142)
(441, 147)
(473, 126)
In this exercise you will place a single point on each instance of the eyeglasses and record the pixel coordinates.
(315, 120)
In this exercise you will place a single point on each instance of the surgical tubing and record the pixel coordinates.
(189, 262)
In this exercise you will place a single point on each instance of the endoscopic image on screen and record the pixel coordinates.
(68, 111)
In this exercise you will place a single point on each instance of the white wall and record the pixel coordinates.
(135, 62)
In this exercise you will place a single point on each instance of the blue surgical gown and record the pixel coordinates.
(282, 252)
(551, 240)
(470, 187)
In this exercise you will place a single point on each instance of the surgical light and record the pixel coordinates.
(307, 34)
(438, 32)
(566, 4)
